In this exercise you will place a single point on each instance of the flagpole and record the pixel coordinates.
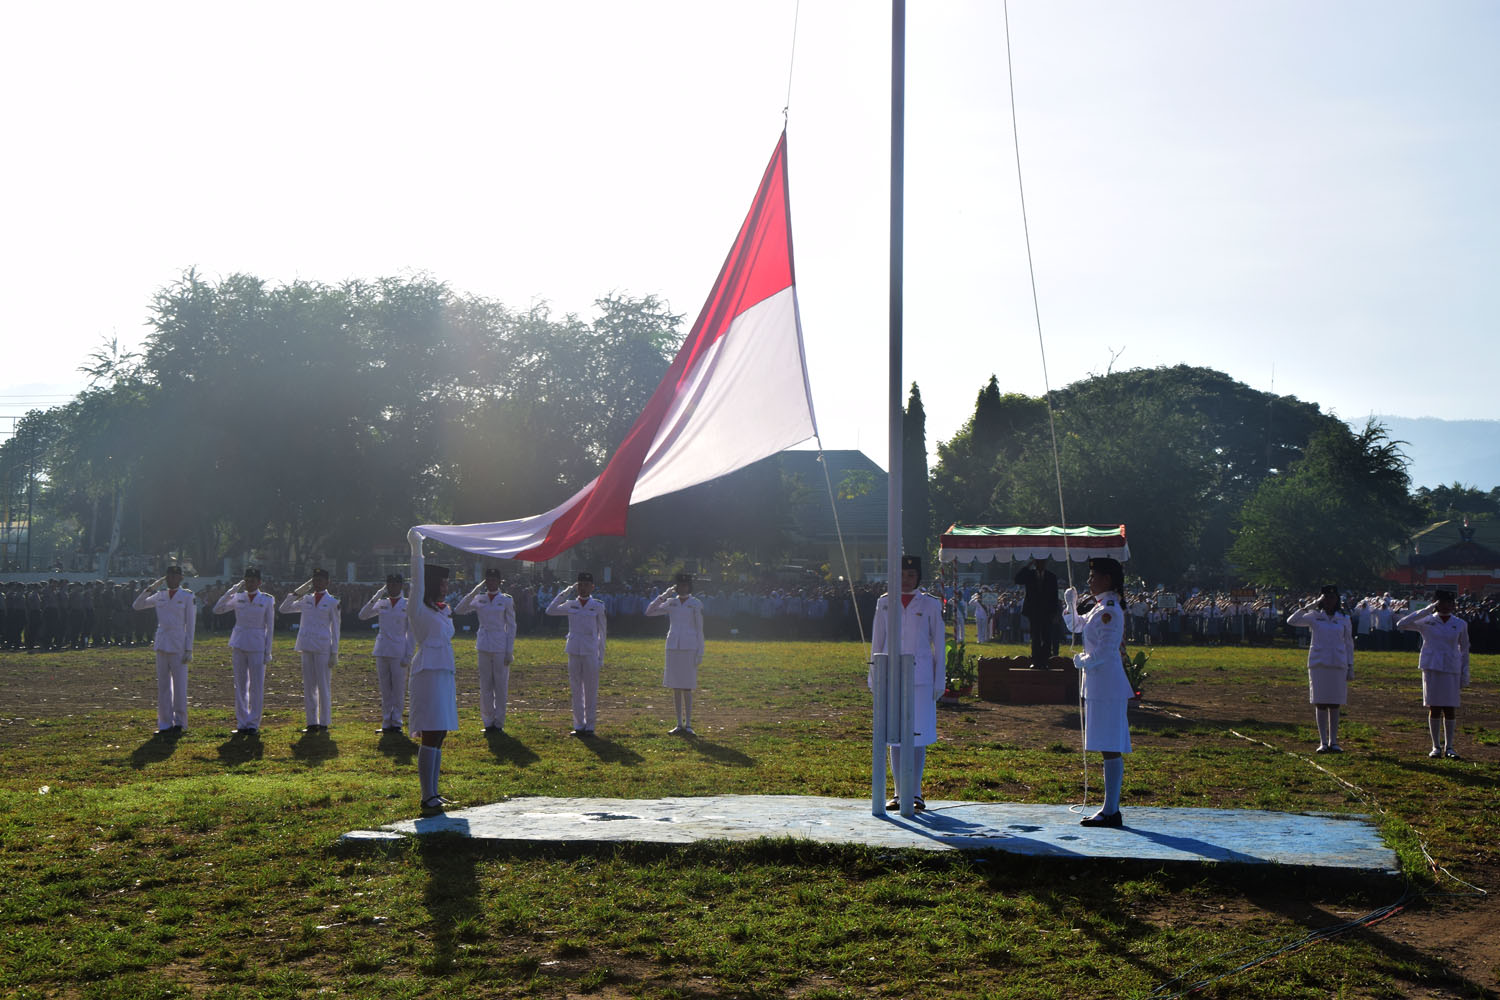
(892, 624)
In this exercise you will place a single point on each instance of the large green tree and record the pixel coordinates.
(1332, 517)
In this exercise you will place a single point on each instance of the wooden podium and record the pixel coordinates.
(1011, 679)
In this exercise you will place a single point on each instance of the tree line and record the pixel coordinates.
(292, 423)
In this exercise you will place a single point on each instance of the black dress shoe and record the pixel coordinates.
(1113, 819)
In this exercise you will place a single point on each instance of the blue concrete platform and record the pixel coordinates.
(1244, 836)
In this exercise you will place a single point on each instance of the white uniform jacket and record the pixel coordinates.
(497, 621)
(254, 620)
(393, 639)
(924, 637)
(1103, 629)
(320, 622)
(684, 620)
(1331, 645)
(586, 630)
(1445, 644)
(176, 618)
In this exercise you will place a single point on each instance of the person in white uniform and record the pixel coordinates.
(434, 694)
(1444, 662)
(585, 648)
(981, 617)
(318, 642)
(495, 646)
(393, 650)
(1330, 663)
(249, 646)
(684, 614)
(176, 620)
(1103, 686)
(923, 636)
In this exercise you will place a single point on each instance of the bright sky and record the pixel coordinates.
(1278, 186)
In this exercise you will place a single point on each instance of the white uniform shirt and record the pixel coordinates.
(586, 629)
(176, 618)
(254, 620)
(497, 621)
(1331, 645)
(684, 620)
(320, 622)
(1445, 644)
(1103, 631)
(392, 639)
(924, 637)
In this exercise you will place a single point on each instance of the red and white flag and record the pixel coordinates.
(737, 392)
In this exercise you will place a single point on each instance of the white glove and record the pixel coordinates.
(1349, 674)
(187, 657)
(509, 659)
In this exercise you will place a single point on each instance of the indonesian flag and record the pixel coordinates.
(736, 392)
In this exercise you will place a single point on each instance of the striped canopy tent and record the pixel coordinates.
(1023, 543)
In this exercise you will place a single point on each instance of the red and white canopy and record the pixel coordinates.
(1023, 543)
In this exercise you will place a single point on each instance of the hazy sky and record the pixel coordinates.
(1301, 187)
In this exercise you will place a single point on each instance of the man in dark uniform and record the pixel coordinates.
(1040, 608)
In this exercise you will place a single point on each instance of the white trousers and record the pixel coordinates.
(171, 690)
(494, 688)
(583, 683)
(317, 688)
(391, 676)
(249, 686)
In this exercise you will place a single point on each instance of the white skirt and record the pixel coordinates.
(1106, 725)
(681, 670)
(434, 702)
(1327, 686)
(1440, 689)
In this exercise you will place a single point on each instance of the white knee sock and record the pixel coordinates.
(1333, 726)
(687, 709)
(677, 704)
(1322, 716)
(425, 757)
(1435, 727)
(1114, 778)
(1450, 722)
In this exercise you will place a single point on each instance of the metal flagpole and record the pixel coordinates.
(895, 662)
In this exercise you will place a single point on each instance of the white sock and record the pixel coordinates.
(1322, 716)
(1435, 727)
(687, 709)
(1333, 726)
(1114, 778)
(1449, 723)
(920, 764)
(426, 757)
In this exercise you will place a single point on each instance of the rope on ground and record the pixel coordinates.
(1294, 943)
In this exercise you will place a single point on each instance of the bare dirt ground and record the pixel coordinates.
(1461, 933)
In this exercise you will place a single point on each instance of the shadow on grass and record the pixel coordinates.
(1455, 771)
(720, 754)
(315, 748)
(241, 748)
(509, 750)
(451, 896)
(611, 752)
(397, 746)
(155, 750)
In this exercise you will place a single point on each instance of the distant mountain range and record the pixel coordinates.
(1447, 451)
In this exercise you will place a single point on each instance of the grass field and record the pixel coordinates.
(211, 866)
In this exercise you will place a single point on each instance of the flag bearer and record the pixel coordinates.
(249, 646)
(495, 646)
(393, 650)
(684, 614)
(923, 635)
(318, 642)
(176, 619)
(585, 647)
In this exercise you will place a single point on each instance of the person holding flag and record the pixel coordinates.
(924, 636)
(1104, 688)
(249, 646)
